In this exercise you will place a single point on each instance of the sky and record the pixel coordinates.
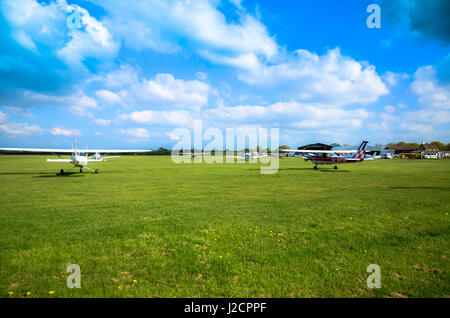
(131, 72)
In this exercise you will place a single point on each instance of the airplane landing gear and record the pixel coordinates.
(81, 170)
(61, 172)
(335, 167)
(315, 167)
(96, 171)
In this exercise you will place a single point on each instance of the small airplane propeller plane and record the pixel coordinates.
(249, 156)
(80, 159)
(331, 157)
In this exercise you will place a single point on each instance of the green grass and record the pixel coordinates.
(204, 230)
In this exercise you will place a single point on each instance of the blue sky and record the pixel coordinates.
(136, 70)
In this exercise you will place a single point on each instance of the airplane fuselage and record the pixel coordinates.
(80, 161)
(334, 160)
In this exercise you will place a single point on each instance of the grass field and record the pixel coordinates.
(145, 227)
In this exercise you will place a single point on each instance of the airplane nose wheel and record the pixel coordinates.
(96, 171)
(61, 172)
(335, 167)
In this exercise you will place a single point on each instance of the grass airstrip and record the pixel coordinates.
(146, 227)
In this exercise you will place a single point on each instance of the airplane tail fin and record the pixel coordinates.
(361, 150)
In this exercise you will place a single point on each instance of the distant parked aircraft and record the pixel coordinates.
(80, 159)
(330, 157)
(249, 156)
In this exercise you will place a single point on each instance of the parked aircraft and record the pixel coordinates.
(249, 156)
(330, 157)
(80, 159)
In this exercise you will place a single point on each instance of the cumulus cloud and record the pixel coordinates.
(430, 92)
(293, 114)
(393, 78)
(331, 78)
(78, 104)
(136, 132)
(165, 118)
(102, 122)
(164, 90)
(61, 131)
(108, 96)
(20, 129)
(160, 25)
(93, 40)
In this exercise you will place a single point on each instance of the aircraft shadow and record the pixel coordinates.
(319, 170)
(415, 188)
(24, 173)
(58, 175)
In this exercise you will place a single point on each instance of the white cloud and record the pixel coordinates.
(165, 118)
(430, 92)
(20, 129)
(389, 108)
(61, 131)
(393, 78)
(108, 96)
(77, 104)
(160, 25)
(19, 111)
(102, 122)
(164, 90)
(310, 118)
(38, 25)
(136, 132)
(331, 78)
(93, 40)
(3, 117)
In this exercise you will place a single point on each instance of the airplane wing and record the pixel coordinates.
(51, 150)
(37, 150)
(318, 151)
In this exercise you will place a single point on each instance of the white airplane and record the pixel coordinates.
(332, 157)
(80, 159)
(249, 156)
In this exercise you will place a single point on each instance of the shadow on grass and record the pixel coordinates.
(415, 188)
(58, 175)
(312, 169)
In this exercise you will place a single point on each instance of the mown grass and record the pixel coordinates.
(146, 227)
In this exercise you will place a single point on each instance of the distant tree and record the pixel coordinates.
(439, 144)
(161, 151)
(404, 144)
(284, 147)
(335, 144)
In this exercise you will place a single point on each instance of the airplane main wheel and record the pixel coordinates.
(335, 167)
(96, 171)
(315, 167)
(61, 172)
(81, 169)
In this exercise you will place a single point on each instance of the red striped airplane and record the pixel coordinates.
(330, 157)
